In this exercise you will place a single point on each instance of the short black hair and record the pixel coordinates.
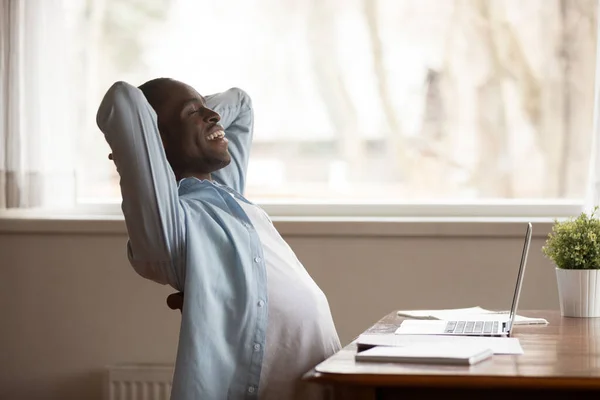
(152, 90)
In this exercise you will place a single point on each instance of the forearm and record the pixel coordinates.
(237, 117)
(150, 201)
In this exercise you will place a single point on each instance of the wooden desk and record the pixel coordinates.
(561, 358)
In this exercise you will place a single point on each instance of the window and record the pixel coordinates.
(460, 102)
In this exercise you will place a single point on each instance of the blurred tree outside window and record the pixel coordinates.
(404, 100)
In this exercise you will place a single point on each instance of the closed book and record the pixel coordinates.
(443, 353)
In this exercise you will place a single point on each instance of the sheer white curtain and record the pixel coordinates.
(36, 143)
(593, 195)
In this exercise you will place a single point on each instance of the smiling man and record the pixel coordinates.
(253, 319)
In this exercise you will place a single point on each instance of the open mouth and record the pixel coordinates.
(220, 134)
(217, 138)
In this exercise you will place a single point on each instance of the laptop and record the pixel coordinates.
(494, 326)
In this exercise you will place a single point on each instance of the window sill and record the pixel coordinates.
(27, 223)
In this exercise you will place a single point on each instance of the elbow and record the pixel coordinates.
(120, 96)
(122, 89)
(105, 112)
(243, 97)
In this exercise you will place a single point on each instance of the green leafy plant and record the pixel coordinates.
(575, 243)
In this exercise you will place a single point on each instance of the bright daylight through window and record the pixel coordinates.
(369, 100)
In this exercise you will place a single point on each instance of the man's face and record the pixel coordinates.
(191, 134)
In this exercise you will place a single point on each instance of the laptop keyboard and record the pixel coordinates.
(472, 327)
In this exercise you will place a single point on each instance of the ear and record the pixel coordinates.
(164, 134)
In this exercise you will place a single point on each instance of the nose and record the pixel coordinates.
(211, 117)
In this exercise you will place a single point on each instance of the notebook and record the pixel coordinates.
(427, 354)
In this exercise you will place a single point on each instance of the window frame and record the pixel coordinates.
(504, 209)
(432, 210)
(427, 209)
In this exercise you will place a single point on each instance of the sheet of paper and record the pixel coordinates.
(420, 327)
(497, 345)
(470, 314)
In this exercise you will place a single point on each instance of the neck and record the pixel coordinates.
(198, 175)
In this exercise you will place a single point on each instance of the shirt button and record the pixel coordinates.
(261, 303)
(256, 259)
(251, 389)
(256, 347)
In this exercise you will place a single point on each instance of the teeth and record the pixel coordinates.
(215, 135)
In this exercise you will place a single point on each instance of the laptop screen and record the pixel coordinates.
(515, 302)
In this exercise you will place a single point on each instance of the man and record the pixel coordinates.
(253, 320)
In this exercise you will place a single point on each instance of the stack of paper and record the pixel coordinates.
(428, 353)
(498, 345)
(469, 314)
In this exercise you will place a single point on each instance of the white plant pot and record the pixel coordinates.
(579, 292)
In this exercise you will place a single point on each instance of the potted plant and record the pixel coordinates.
(574, 247)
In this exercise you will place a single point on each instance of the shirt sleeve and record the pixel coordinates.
(237, 118)
(151, 207)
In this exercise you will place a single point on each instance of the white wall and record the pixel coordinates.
(70, 304)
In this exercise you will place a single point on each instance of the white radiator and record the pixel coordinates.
(138, 382)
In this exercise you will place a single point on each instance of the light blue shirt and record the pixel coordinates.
(195, 237)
